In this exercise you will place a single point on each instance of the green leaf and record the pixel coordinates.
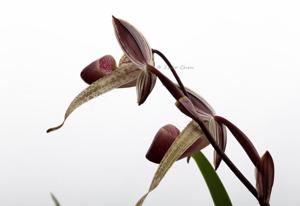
(117, 78)
(214, 184)
(55, 200)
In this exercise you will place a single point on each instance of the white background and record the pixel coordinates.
(245, 59)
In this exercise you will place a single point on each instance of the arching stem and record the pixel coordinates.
(172, 70)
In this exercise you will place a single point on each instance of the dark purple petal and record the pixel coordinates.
(221, 140)
(133, 43)
(99, 68)
(241, 138)
(199, 102)
(265, 177)
(145, 84)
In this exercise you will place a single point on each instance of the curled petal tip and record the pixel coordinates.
(55, 128)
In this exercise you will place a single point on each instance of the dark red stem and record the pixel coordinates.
(172, 70)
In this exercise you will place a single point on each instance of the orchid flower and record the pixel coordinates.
(136, 68)
(138, 51)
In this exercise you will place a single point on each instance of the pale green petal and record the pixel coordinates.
(117, 78)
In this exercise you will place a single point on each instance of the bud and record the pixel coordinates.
(99, 68)
(265, 178)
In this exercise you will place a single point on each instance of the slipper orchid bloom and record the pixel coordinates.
(136, 68)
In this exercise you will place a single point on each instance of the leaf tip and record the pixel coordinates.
(115, 20)
(54, 199)
(55, 128)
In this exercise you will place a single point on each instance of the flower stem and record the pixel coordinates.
(176, 94)
(225, 158)
(172, 70)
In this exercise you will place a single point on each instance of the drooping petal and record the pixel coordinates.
(265, 177)
(179, 146)
(98, 69)
(144, 85)
(133, 43)
(241, 138)
(116, 79)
